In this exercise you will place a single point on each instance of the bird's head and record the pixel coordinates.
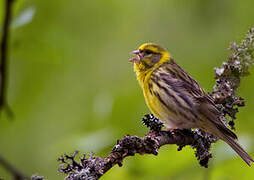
(149, 55)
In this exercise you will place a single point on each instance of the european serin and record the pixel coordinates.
(176, 98)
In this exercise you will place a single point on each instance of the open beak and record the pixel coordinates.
(136, 52)
(138, 58)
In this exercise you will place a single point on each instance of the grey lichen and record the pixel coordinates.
(228, 77)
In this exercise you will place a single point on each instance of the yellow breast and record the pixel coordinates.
(153, 103)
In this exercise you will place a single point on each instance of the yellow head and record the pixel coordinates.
(149, 56)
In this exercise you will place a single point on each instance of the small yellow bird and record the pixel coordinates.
(176, 98)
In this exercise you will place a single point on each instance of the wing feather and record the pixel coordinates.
(184, 95)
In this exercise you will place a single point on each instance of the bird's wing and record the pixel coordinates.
(186, 90)
(176, 90)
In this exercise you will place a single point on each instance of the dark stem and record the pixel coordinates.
(17, 175)
(4, 57)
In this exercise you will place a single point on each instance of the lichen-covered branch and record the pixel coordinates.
(92, 167)
(228, 79)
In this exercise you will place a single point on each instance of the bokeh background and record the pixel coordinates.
(72, 88)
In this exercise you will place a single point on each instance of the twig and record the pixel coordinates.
(17, 175)
(4, 57)
(228, 77)
(93, 168)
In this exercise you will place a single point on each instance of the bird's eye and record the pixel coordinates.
(147, 52)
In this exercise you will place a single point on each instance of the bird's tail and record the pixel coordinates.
(231, 139)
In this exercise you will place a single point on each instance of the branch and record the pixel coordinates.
(94, 167)
(17, 175)
(4, 57)
(224, 93)
(228, 77)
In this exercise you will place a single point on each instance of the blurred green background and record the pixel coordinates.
(72, 88)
